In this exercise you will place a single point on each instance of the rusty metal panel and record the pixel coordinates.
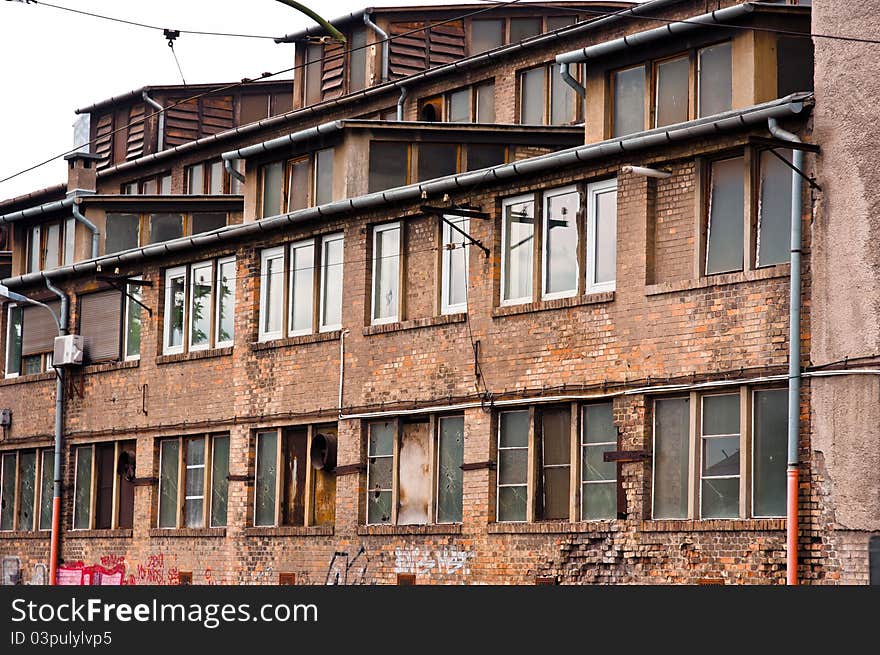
(415, 474)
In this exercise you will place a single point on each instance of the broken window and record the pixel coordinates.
(485, 102)
(193, 308)
(673, 82)
(121, 232)
(104, 486)
(454, 261)
(271, 179)
(437, 160)
(380, 468)
(314, 53)
(720, 456)
(201, 464)
(770, 452)
(714, 80)
(386, 273)
(560, 247)
(485, 155)
(513, 465)
(389, 164)
(629, 101)
(450, 457)
(24, 505)
(517, 250)
(774, 209)
(165, 227)
(555, 464)
(532, 96)
(724, 238)
(601, 236)
(598, 477)
(324, 176)
(486, 35)
(671, 447)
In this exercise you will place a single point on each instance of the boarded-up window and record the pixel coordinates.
(598, 477)
(293, 483)
(531, 96)
(672, 91)
(122, 232)
(794, 58)
(125, 472)
(774, 209)
(484, 155)
(486, 35)
(724, 240)
(414, 494)
(414, 47)
(770, 452)
(715, 80)
(437, 160)
(513, 450)
(671, 421)
(524, 28)
(388, 165)
(450, 457)
(101, 325)
(555, 463)
(323, 485)
(629, 101)
(39, 330)
(333, 72)
(165, 227)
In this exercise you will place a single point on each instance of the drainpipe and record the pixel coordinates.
(227, 164)
(400, 101)
(160, 141)
(568, 79)
(78, 215)
(794, 353)
(382, 35)
(341, 366)
(59, 431)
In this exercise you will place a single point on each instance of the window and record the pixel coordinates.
(486, 35)
(165, 227)
(199, 303)
(271, 178)
(672, 80)
(386, 273)
(289, 490)
(458, 106)
(159, 184)
(30, 339)
(301, 288)
(517, 246)
(724, 236)
(714, 80)
(570, 479)
(532, 96)
(103, 496)
(560, 243)
(485, 155)
(133, 323)
(484, 100)
(314, 54)
(207, 178)
(524, 28)
(14, 325)
(122, 232)
(357, 60)
(389, 165)
(545, 98)
(454, 265)
(201, 222)
(324, 176)
(46, 245)
(601, 236)
(437, 160)
(718, 444)
(26, 489)
(774, 209)
(301, 182)
(414, 474)
(193, 481)
(629, 101)
(467, 105)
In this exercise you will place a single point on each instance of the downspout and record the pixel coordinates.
(78, 215)
(227, 164)
(160, 137)
(794, 353)
(400, 101)
(568, 79)
(59, 432)
(385, 43)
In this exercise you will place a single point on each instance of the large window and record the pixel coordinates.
(199, 306)
(729, 479)
(49, 245)
(304, 181)
(26, 488)
(153, 185)
(714, 80)
(389, 165)
(127, 230)
(545, 98)
(193, 481)
(671, 90)
(774, 209)
(30, 339)
(628, 103)
(471, 104)
(539, 476)
(289, 489)
(209, 178)
(387, 260)
(454, 265)
(110, 324)
(414, 474)
(560, 259)
(103, 495)
(724, 233)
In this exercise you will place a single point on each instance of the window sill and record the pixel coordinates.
(192, 356)
(187, 532)
(554, 527)
(24, 534)
(25, 379)
(301, 340)
(118, 533)
(415, 324)
(103, 367)
(769, 273)
(290, 531)
(558, 303)
(713, 525)
(397, 530)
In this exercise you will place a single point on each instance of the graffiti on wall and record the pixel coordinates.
(426, 561)
(346, 570)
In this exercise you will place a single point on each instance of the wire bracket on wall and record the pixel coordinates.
(444, 212)
(121, 283)
(774, 144)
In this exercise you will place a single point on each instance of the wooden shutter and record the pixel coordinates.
(181, 122)
(39, 330)
(101, 325)
(408, 54)
(447, 44)
(136, 126)
(333, 71)
(216, 115)
(104, 140)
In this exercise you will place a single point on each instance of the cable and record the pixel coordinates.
(342, 53)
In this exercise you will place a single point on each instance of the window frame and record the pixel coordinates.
(6, 374)
(655, 84)
(219, 263)
(447, 233)
(93, 484)
(748, 228)
(323, 326)
(182, 468)
(131, 290)
(15, 509)
(701, 449)
(172, 274)
(646, 99)
(186, 271)
(546, 196)
(505, 203)
(401, 267)
(697, 72)
(266, 255)
(594, 189)
(192, 268)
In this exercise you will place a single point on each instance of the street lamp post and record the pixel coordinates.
(61, 323)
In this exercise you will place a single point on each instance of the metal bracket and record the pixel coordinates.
(123, 288)
(625, 456)
(442, 212)
(809, 180)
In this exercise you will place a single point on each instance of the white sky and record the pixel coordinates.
(52, 62)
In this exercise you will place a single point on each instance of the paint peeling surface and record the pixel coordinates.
(415, 474)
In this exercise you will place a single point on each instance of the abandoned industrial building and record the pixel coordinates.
(547, 294)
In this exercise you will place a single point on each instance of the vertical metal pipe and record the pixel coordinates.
(573, 83)
(400, 102)
(160, 137)
(78, 215)
(794, 356)
(385, 43)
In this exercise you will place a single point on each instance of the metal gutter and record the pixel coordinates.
(713, 18)
(39, 210)
(708, 126)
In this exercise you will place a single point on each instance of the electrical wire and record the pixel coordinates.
(341, 54)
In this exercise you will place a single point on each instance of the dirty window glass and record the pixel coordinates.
(7, 492)
(27, 487)
(219, 480)
(561, 243)
(629, 101)
(299, 192)
(513, 441)
(598, 477)
(720, 465)
(414, 483)
(388, 165)
(555, 463)
(672, 91)
(82, 494)
(671, 433)
(272, 187)
(486, 103)
(724, 241)
(531, 99)
(715, 80)
(47, 489)
(485, 155)
(164, 227)
(357, 60)
(122, 232)
(486, 35)
(450, 457)
(523, 28)
(562, 101)
(517, 254)
(437, 160)
(459, 106)
(312, 85)
(771, 451)
(168, 470)
(324, 176)
(774, 210)
(194, 502)
(195, 179)
(379, 471)
(302, 287)
(264, 509)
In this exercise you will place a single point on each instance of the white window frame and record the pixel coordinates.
(529, 467)
(307, 243)
(701, 438)
(69, 241)
(205, 496)
(6, 372)
(583, 445)
(217, 281)
(545, 230)
(507, 202)
(393, 456)
(446, 265)
(170, 274)
(594, 189)
(128, 303)
(324, 326)
(209, 264)
(377, 231)
(267, 254)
